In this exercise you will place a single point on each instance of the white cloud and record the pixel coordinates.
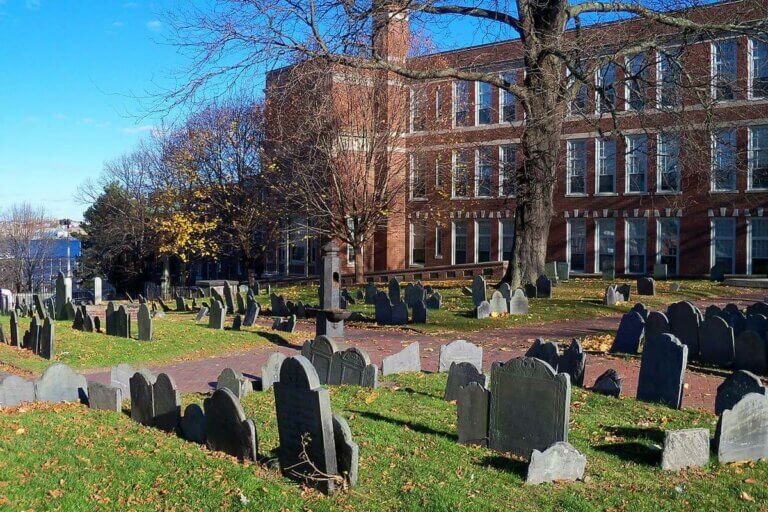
(117, 24)
(32, 4)
(138, 129)
(154, 25)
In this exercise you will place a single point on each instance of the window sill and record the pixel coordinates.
(576, 195)
(462, 198)
(606, 194)
(723, 191)
(668, 193)
(418, 199)
(757, 191)
(635, 193)
(438, 257)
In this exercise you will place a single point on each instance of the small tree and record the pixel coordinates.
(26, 245)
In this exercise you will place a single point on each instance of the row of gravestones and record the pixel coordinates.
(57, 383)
(503, 303)
(334, 366)
(388, 312)
(617, 293)
(39, 338)
(217, 315)
(413, 293)
(542, 289)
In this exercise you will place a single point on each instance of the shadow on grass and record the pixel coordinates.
(654, 435)
(416, 427)
(633, 451)
(412, 391)
(277, 339)
(506, 464)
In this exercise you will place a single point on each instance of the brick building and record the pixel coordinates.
(685, 182)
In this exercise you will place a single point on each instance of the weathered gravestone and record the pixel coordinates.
(687, 448)
(550, 270)
(684, 324)
(518, 303)
(235, 382)
(383, 309)
(320, 352)
(240, 303)
(142, 397)
(352, 367)
(59, 383)
(193, 424)
(33, 340)
(122, 322)
(63, 296)
(370, 293)
(419, 312)
(394, 291)
(739, 384)
(608, 383)
(660, 271)
(530, 290)
(278, 305)
(628, 335)
(229, 298)
(47, 334)
(407, 360)
(460, 351)
(716, 344)
(625, 291)
(399, 313)
(573, 362)
(270, 372)
(656, 323)
(543, 288)
(3, 338)
(459, 376)
(434, 301)
(561, 462)
(15, 390)
(347, 451)
(237, 323)
(201, 314)
(756, 323)
(69, 311)
(41, 312)
(217, 315)
(611, 296)
(104, 397)
(478, 290)
(144, 319)
(305, 425)
(662, 371)
(79, 323)
(88, 324)
(472, 410)
(646, 286)
(180, 306)
(251, 314)
(750, 353)
(735, 318)
(562, 271)
(285, 324)
(547, 351)
(226, 427)
(742, 431)
(498, 304)
(530, 406)
(15, 330)
(120, 377)
(483, 310)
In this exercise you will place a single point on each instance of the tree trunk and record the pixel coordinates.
(359, 265)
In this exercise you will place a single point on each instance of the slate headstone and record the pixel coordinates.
(662, 371)
(202, 313)
(251, 314)
(543, 288)
(627, 340)
(46, 348)
(370, 293)
(227, 429)
(144, 319)
(478, 290)
(434, 301)
(750, 353)
(193, 424)
(407, 360)
(217, 315)
(716, 343)
(320, 352)
(383, 309)
(625, 290)
(142, 398)
(473, 408)
(646, 286)
(684, 324)
(739, 384)
(347, 451)
(394, 291)
(573, 362)
(120, 377)
(742, 431)
(105, 397)
(459, 376)
(237, 323)
(419, 312)
(608, 383)
(352, 367)
(547, 351)
(460, 351)
(235, 382)
(399, 314)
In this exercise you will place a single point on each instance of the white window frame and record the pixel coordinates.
(502, 95)
(477, 171)
(713, 161)
(412, 180)
(630, 147)
(411, 245)
(477, 241)
(568, 251)
(750, 232)
(453, 240)
(714, 59)
(454, 159)
(454, 103)
(660, 83)
(598, 222)
(599, 156)
(751, 70)
(659, 165)
(627, 86)
(569, 167)
(478, 86)
(676, 270)
(712, 251)
(501, 163)
(598, 79)
(751, 156)
(502, 234)
(627, 235)
(438, 242)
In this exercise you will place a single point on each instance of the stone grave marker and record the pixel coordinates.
(5, 340)
(352, 367)
(472, 410)
(506, 291)
(270, 372)
(202, 313)
(180, 306)
(562, 271)
(285, 324)
(394, 291)
(407, 360)
(625, 290)
(237, 323)
(543, 288)
(656, 323)
(15, 330)
(684, 324)
(383, 309)
(120, 377)
(347, 451)
(251, 314)
(662, 371)
(69, 311)
(193, 424)
(742, 431)
(240, 303)
(167, 403)
(79, 323)
(320, 352)
(756, 323)
(478, 290)
(628, 336)
(105, 397)
(561, 462)
(59, 383)
(419, 312)
(716, 343)
(687, 448)
(460, 351)
(144, 319)
(459, 376)
(227, 429)
(750, 353)
(122, 322)
(15, 390)
(611, 296)
(229, 298)
(434, 301)
(498, 304)
(34, 336)
(547, 351)
(399, 313)
(640, 308)
(530, 290)
(518, 303)
(660, 271)
(88, 325)
(646, 286)
(217, 315)
(278, 306)
(142, 397)
(739, 384)
(573, 362)
(370, 293)
(235, 382)
(608, 383)
(47, 339)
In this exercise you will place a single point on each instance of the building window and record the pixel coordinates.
(758, 246)
(484, 102)
(636, 163)
(461, 103)
(577, 244)
(724, 54)
(418, 243)
(724, 243)
(459, 229)
(636, 82)
(758, 69)
(606, 88)
(577, 166)
(668, 235)
(438, 242)
(508, 101)
(605, 250)
(758, 157)
(418, 108)
(507, 237)
(507, 164)
(482, 241)
(668, 163)
(483, 172)
(438, 102)
(460, 182)
(724, 160)
(605, 162)
(418, 183)
(438, 174)
(636, 244)
(668, 79)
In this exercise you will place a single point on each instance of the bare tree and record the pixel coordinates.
(27, 239)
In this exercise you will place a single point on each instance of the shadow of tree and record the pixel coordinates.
(277, 339)
(416, 427)
(502, 463)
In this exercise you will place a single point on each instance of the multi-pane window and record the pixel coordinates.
(668, 79)
(459, 242)
(724, 243)
(605, 160)
(418, 181)
(668, 234)
(606, 244)
(636, 162)
(461, 104)
(418, 108)
(636, 82)
(507, 238)
(636, 246)
(577, 244)
(438, 102)
(724, 69)
(483, 240)
(758, 71)
(606, 87)
(576, 166)
(668, 162)
(508, 101)
(758, 246)
(507, 170)
(483, 172)
(484, 103)
(724, 160)
(578, 103)
(438, 173)
(460, 180)
(758, 157)
(438, 242)
(418, 243)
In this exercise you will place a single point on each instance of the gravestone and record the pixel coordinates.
(640, 308)
(608, 383)
(459, 376)
(408, 295)
(687, 448)
(419, 312)
(383, 309)
(662, 371)
(15, 390)
(5, 340)
(735, 318)
(550, 270)
(506, 291)
(407, 360)
(460, 351)
(251, 314)
(320, 352)
(46, 344)
(660, 271)
(79, 323)
(305, 425)
(530, 290)
(217, 315)
(656, 323)
(270, 372)
(142, 397)
(518, 303)
(240, 303)
(352, 367)
(180, 306)
(716, 344)
(234, 381)
(561, 462)
(750, 353)
(226, 427)
(63, 295)
(684, 324)
(201, 314)
(434, 301)
(59, 383)
(739, 384)
(530, 406)
(498, 304)
(646, 286)
(120, 377)
(543, 288)
(15, 330)
(278, 306)
(347, 451)
(394, 291)
(237, 322)
(33, 342)
(167, 403)
(483, 310)
(285, 324)
(472, 410)
(88, 324)
(742, 431)
(573, 362)
(104, 397)
(547, 351)
(611, 296)
(399, 314)
(229, 298)
(717, 272)
(193, 424)
(628, 335)
(625, 290)
(97, 291)
(370, 293)
(144, 319)
(756, 323)
(69, 311)
(562, 271)
(478, 290)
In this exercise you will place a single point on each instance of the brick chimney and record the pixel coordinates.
(391, 31)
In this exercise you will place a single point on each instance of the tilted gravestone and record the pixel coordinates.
(561, 462)
(226, 427)
(646, 286)
(543, 288)
(285, 324)
(434, 301)
(750, 353)
(419, 312)
(685, 448)
(193, 424)
(478, 290)
(144, 319)
(229, 298)
(347, 451)
(483, 310)
(104, 397)
(459, 376)
(59, 383)
(39, 309)
(547, 351)
(320, 352)
(394, 291)
(251, 314)
(662, 371)
(472, 410)
(716, 343)
(352, 367)
(608, 383)
(574, 362)
(278, 305)
(142, 397)
(270, 372)
(684, 325)
(407, 360)
(518, 303)
(235, 382)
(460, 351)
(383, 309)
(628, 335)
(742, 431)
(33, 343)
(88, 324)
(305, 425)
(217, 315)
(201, 314)
(47, 339)
(530, 406)
(498, 304)
(739, 384)
(240, 303)
(120, 377)
(15, 390)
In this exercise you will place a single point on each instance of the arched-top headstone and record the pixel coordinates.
(353, 367)
(518, 303)
(716, 342)
(319, 352)
(144, 319)
(458, 351)
(758, 308)
(394, 291)
(662, 370)
(227, 428)
(234, 381)
(543, 287)
(193, 424)
(750, 353)
(498, 304)
(628, 335)
(217, 315)
(739, 384)
(756, 323)
(459, 376)
(478, 290)
(684, 324)
(167, 403)
(383, 309)
(742, 432)
(46, 344)
(573, 362)
(547, 351)
(270, 372)
(142, 397)
(59, 383)
(15, 390)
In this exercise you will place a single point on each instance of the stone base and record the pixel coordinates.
(325, 327)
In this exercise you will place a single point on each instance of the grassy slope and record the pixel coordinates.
(73, 458)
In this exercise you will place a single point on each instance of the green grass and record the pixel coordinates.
(72, 458)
